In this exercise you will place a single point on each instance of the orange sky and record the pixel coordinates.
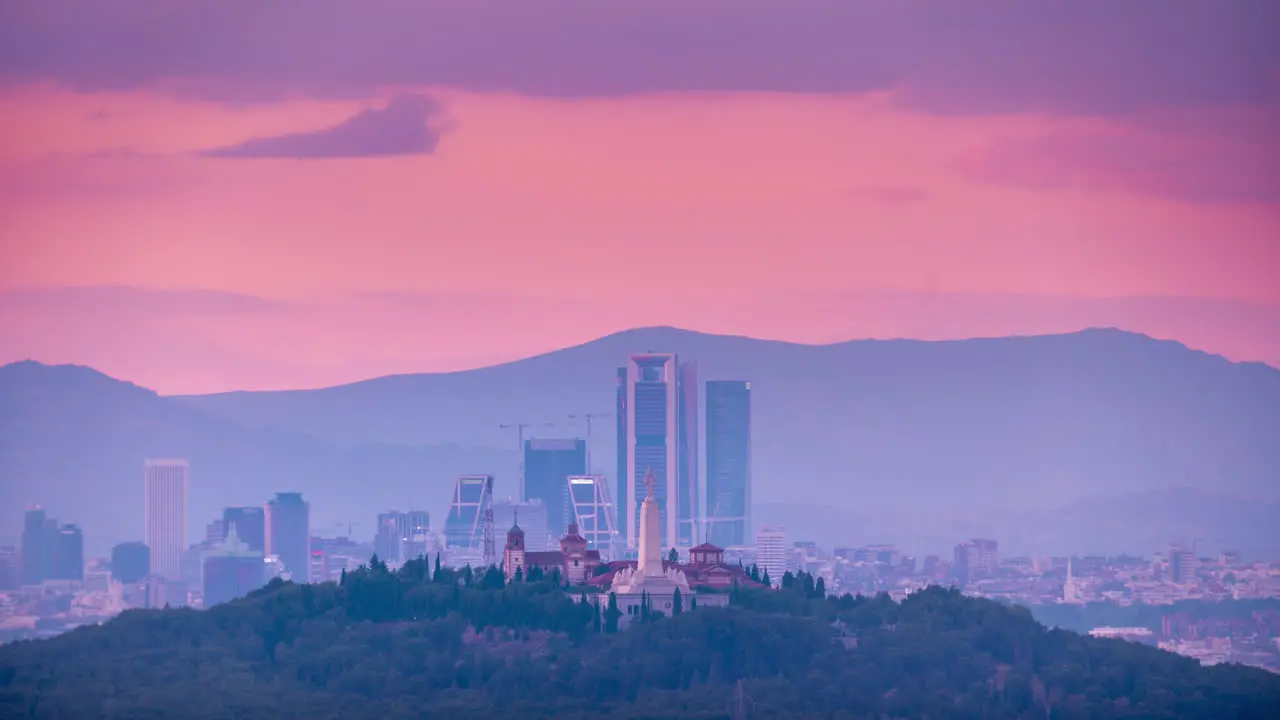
(541, 222)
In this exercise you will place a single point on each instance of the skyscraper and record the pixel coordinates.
(621, 477)
(38, 537)
(288, 526)
(728, 462)
(593, 511)
(548, 464)
(464, 525)
(250, 523)
(68, 554)
(166, 515)
(658, 428)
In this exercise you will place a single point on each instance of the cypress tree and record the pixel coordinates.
(611, 615)
(677, 603)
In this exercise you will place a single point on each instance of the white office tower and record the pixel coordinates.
(166, 515)
(772, 552)
(532, 517)
(594, 512)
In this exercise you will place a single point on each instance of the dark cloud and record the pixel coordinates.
(1081, 56)
(401, 128)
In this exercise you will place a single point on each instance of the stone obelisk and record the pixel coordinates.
(650, 564)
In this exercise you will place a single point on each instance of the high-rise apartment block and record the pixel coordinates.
(288, 534)
(728, 462)
(658, 432)
(1184, 565)
(974, 559)
(166, 515)
(773, 552)
(548, 465)
(401, 535)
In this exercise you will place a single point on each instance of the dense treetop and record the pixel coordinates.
(460, 645)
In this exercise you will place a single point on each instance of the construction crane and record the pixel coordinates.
(520, 428)
(589, 417)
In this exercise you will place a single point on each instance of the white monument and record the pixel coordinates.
(650, 582)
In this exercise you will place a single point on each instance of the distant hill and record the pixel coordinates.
(918, 433)
(73, 440)
(919, 443)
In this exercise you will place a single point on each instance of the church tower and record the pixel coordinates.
(513, 554)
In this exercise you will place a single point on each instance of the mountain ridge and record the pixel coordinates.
(923, 435)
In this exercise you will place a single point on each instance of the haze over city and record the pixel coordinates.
(823, 313)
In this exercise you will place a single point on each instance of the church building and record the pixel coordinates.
(572, 563)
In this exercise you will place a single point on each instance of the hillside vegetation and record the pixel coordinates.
(414, 643)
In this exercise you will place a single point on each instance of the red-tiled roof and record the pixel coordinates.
(549, 558)
(695, 574)
(707, 547)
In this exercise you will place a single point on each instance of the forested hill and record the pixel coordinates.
(412, 645)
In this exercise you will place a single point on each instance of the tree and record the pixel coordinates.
(693, 603)
(788, 580)
(677, 603)
(611, 615)
(820, 588)
(755, 572)
(765, 578)
(519, 576)
(807, 585)
(595, 617)
(437, 568)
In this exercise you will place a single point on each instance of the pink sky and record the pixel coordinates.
(493, 210)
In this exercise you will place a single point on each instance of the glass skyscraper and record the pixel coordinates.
(658, 431)
(548, 465)
(728, 462)
(464, 525)
(289, 534)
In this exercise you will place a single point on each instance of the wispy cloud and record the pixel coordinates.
(403, 127)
